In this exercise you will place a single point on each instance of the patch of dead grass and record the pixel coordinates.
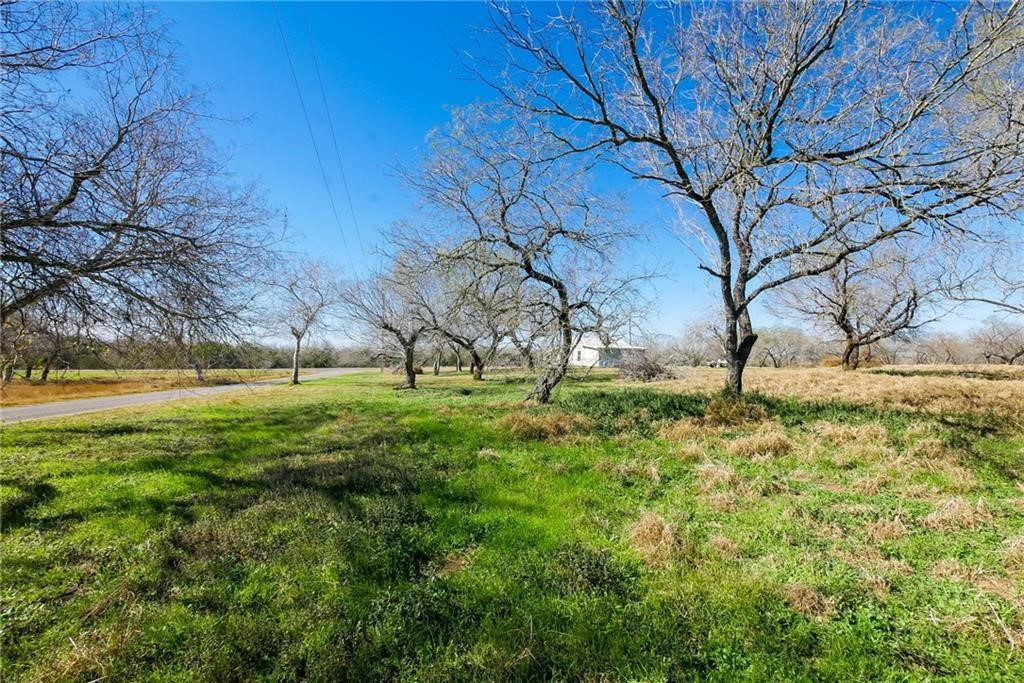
(1013, 555)
(654, 538)
(955, 514)
(886, 529)
(631, 470)
(542, 426)
(712, 474)
(808, 601)
(724, 546)
(841, 434)
(763, 445)
(926, 394)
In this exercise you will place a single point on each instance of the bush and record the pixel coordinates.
(644, 369)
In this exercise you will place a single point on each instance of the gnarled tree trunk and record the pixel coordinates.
(409, 349)
(296, 360)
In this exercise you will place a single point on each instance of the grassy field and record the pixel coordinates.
(340, 530)
(92, 383)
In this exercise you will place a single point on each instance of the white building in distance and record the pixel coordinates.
(591, 352)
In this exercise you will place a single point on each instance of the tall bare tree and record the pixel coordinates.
(114, 201)
(385, 306)
(783, 129)
(309, 293)
(502, 203)
(867, 298)
(999, 340)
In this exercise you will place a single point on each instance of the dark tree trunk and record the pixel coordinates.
(410, 366)
(851, 355)
(437, 363)
(477, 366)
(29, 366)
(296, 360)
(739, 342)
(549, 379)
(45, 373)
(200, 372)
(9, 372)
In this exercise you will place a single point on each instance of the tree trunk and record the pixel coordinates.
(437, 363)
(410, 367)
(851, 355)
(295, 359)
(458, 358)
(29, 367)
(477, 366)
(200, 372)
(549, 379)
(9, 372)
(739, 342)
(45, 374)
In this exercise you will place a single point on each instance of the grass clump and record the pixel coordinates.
(546, 425)
(766, 443)
(956, 513)
(808, 601)
(654, 538)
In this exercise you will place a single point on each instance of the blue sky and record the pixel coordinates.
(390, 71)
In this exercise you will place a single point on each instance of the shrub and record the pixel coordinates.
(642, 368)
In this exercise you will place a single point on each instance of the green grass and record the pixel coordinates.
(340, 530)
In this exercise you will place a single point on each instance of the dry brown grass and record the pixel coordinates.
(686, 430)
(631, 470)
(766, 443)
(1013, 555)
(808, 601)
(488, 454)
(726, 547)
(886, 529)
(841, 434)
(712, 474)
(546, 425)
(1003, 396)
(654, 538)
(955, 514)
(94, 383)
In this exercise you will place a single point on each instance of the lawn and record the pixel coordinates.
(73, 384)
(340, 530)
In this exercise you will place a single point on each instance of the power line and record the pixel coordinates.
(334, 137)
(312, 137)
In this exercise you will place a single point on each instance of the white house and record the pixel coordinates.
(591, 352)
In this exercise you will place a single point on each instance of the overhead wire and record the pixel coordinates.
(312, 136)
(334, 137)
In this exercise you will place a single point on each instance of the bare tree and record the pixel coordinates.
(783, 346)
(993, 276)
(114, 201)
(308, 294)
(867, 298)
(783, 129)
(506, 205)
(385, 305)
(464, 304)
(998, 339)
